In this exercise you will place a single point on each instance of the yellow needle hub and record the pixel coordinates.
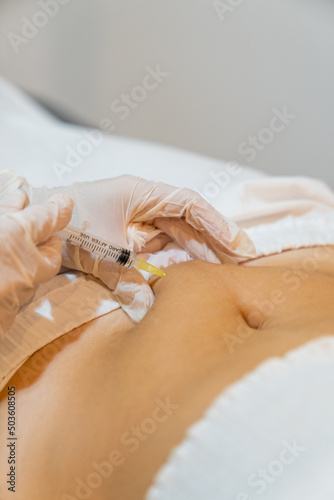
(145, 266)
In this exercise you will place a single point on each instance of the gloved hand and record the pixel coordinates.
(29, 255)
(143, 216)
(12, 196)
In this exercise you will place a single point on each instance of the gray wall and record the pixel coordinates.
(229, 73)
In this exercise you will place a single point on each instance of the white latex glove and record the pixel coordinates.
(29, 255)
(143, 216)
(12, 196)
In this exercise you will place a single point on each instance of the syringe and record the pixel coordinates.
(106, 250)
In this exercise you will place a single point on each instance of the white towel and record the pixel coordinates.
(269, 436)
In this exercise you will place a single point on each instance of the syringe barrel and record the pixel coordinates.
(98, 246)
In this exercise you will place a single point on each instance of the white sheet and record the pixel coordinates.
(32, 142)
(268, 436)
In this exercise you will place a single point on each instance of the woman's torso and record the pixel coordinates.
(129, 398)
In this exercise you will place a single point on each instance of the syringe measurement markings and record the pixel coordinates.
(112, 254)
(97, 247)
(89, 245)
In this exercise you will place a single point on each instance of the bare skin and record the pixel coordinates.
(136, 392)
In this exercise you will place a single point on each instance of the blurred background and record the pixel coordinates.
(240, 80)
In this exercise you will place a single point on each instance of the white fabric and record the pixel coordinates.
(285, 404)
(282, 213)
(32, 142)
(293, 232)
